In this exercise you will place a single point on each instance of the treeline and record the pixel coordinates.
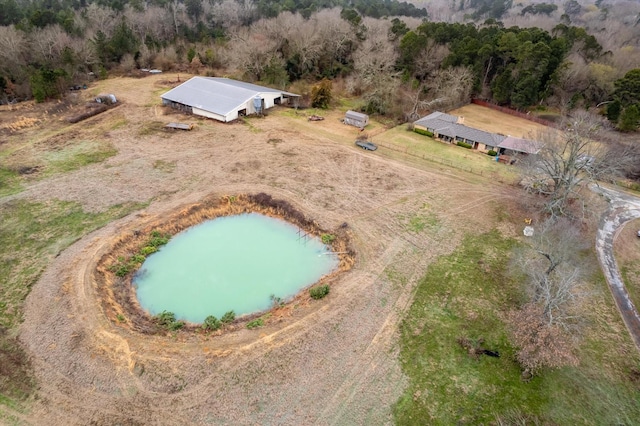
(372, 8)
(400, 66)
(513, 66)
(40, 13)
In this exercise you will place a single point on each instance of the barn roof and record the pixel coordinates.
(520, 145)
(215, 94)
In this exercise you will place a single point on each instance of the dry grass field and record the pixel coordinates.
(493, 121)
(333, 361)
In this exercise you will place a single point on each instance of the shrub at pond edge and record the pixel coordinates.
(319, 292)
(259, 322)
(228, 317)
(211, 323)
(327, 238)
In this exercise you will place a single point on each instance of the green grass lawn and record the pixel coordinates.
(32, 159)
(403, 140)
(9, 182)
(463, 296)
(79, 155)
(31, 235)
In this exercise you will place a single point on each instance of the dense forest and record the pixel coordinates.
(400, 58)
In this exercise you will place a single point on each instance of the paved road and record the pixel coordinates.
(622, 208)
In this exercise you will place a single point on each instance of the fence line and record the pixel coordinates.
(514, 112)
(434, 159)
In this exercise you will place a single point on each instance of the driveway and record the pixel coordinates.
(622, 208)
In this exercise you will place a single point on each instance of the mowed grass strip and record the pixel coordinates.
(38, 161)
(463, 295)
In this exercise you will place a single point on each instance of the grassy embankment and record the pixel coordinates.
(463, 295)
(33, 233)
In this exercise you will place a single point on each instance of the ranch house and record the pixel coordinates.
(449, 128)
(224, 99)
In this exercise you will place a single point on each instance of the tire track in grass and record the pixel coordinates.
(373, 355)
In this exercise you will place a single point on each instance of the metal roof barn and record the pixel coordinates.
(223, 99)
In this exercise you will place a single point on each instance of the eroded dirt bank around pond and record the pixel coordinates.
(114, 273)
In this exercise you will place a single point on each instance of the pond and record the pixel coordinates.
(229, 263)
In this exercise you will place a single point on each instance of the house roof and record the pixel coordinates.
(478, 135)
(454, 130)
(437, 116)
(520, 145)
(217, 95)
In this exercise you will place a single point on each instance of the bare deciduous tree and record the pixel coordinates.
(544, 329)
(100, 18)
(232, 13)
(453, 84)
(13, 45)
(48, 43)
(153, 21)
(554, 271)
(337, 36)
(375, 56)
(252, 51)
(582, 153)
(430, 59)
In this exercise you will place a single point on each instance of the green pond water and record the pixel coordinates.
(230, 263)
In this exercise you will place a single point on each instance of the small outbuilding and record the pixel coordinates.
(356, 119)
